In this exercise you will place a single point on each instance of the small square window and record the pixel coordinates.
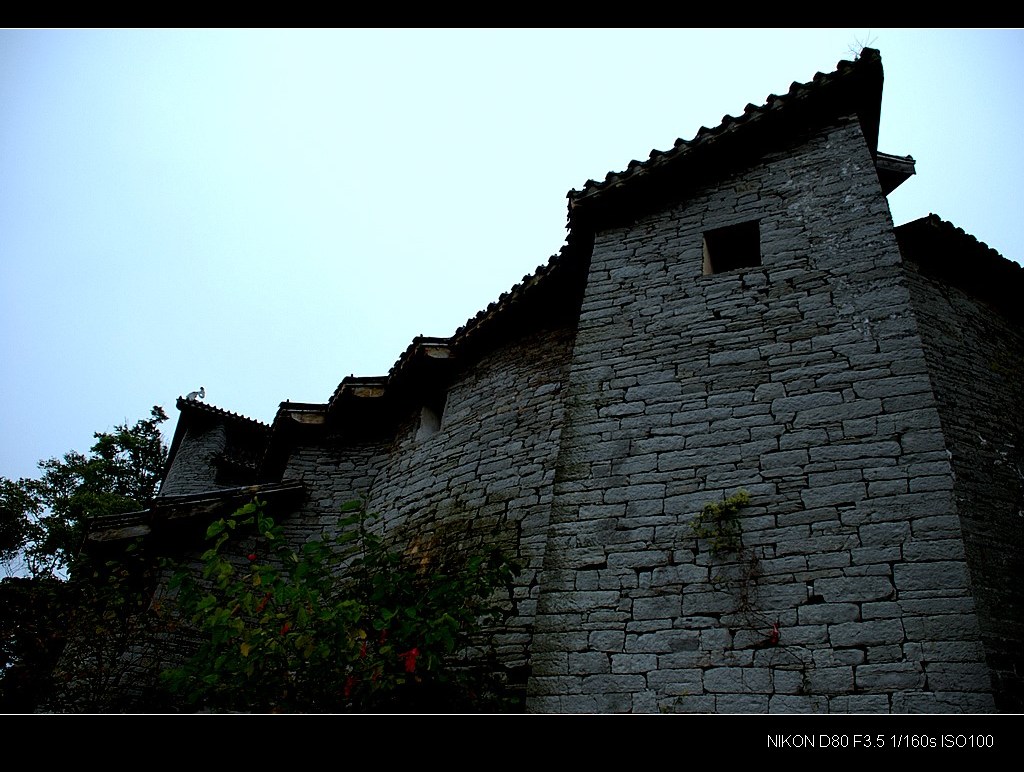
(732, 247)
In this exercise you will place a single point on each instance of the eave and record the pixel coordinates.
(169, 512)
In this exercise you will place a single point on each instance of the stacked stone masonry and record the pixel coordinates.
(976, 358)
(803, 382)
(870, 410)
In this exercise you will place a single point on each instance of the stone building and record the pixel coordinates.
(735, 313)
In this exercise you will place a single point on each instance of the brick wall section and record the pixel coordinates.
(802, 381)
(194, 469)
(486, 475)
(976, 358)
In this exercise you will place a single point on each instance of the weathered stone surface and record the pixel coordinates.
(830, 680)
(859, 703)
(666, 607)
(787, 703)
(854, 589)
(866, 633)
(889, 677)
(739, 680)
(939, 575)
(826, 613)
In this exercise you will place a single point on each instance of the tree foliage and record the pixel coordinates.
(344, 624)
(43, 519)
(33, 629)
(114, 634)
(68, 597)
(347, 623)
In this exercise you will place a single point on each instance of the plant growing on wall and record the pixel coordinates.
(719, 523)
(344, 624)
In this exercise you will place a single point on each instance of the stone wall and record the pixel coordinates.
(802, 381)
(334, 473)
(976, 357)
(485, 476)
(194, 468)
(870, 412)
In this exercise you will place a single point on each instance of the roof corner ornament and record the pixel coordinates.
(192, 396)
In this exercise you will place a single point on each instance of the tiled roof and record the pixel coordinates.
(530, 283)
(853, 87)
(868, 62)
(867, 68)
(358, 386)
(944, 229)
(863, 76)
(948, 253)
(203, 407)
(163, 510)
(423, 348)
(249, 426)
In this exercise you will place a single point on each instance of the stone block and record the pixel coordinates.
(607, 640)
(939, 575)
(606, 684)
(830, 680)
(634, 663)
(742, 680)
(662, 607)
(791, 703)
(854, 589)
(663, 641)
(741, 703)
(587, 663)
(901, 676)
(828, 613)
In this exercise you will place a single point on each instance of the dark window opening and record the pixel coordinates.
(732, 247)
(431, 416)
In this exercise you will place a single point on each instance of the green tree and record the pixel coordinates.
(68, 597)
(20, 508)
(43, 520)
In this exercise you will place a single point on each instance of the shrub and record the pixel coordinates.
(344, 624)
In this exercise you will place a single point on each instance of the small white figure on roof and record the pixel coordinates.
(194, 395)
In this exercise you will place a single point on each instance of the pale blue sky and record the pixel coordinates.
(263, 212)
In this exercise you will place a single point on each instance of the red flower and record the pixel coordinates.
(383, 635)
(362, 651)
(263, 603)
(286, 627)
(349, 683)
(251, 556)
(410, 659)
(773, 636)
